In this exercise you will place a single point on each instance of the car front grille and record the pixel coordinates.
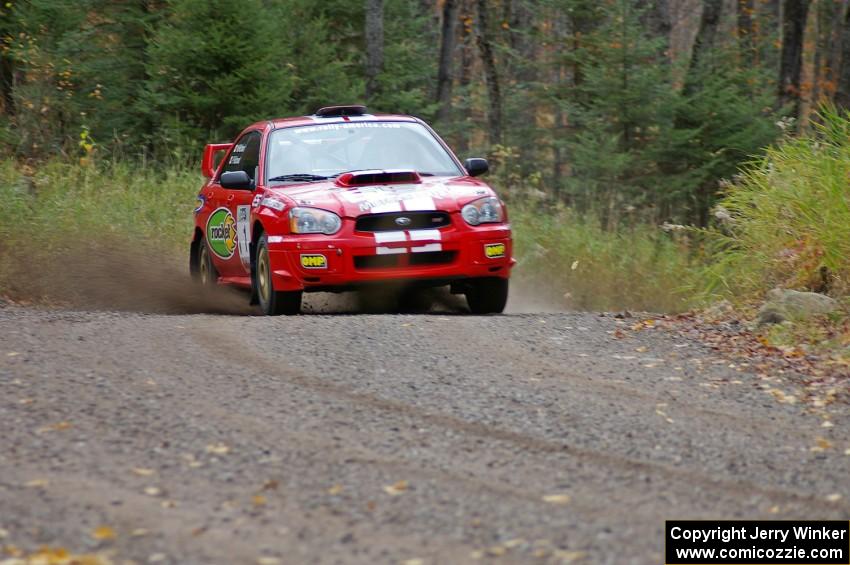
(365, 262)
(387, 221)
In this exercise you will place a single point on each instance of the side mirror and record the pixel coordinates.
(476, 166)
(208, 162)
(236, 180)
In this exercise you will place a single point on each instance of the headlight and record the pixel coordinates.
(313, 220)
(483, 211)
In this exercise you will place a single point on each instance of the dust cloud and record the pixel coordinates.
(138, 277)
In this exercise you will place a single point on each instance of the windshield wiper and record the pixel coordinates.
(298, 177)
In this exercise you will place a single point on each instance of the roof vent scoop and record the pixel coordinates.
(341, 111)
(363, 178)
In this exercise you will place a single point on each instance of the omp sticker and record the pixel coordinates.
(240, 148)
(256, 201)
(494, 250)
(314, 261)
(235, 159)
(243, 234)
(275, 239)
(221, 233)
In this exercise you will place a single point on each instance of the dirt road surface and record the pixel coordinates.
(527, 438)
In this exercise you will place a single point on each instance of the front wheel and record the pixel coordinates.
(272, 302)
(487, 295)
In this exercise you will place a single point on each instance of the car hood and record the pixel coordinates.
(433, 193)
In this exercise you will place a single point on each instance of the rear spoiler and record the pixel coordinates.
(208, 167)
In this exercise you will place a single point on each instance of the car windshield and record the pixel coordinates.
(307, 153)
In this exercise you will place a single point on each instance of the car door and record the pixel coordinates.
(229, 225)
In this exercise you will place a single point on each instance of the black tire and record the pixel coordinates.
(207, 273)
(487, 295)
(272, 302)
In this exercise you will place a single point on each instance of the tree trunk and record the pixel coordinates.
(705, 40)
(445, 79)
(491, 74)
(655, 17)
(842, 94)
(746, 31)
(374, 45)
(794, 13)
(832, 64)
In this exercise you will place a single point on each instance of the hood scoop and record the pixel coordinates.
(363, 178)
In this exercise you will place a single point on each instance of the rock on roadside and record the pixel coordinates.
(783, 304)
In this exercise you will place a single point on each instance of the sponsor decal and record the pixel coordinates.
(243, 234)
(221, 233)
(235, 159)
(494, 250)
(256, 201)
(273, 203)
(201, 201)
(314, 261)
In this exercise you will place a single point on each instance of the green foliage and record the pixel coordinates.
(786, 216)
(208, 85)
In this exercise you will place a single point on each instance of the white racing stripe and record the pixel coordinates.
(390, 207)
(390, 236)
(424, 235)
(419, 203)
(426, 248)
(390, 250)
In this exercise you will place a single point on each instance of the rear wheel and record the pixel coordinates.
(487, 295)
(207, 274)
(272, 302)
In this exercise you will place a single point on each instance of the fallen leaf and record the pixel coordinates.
(26, 401)
(821, 444)
(143, 472)
(774, 510)
(152, 491)
(334, 490)
(834, 497)
(258, 500)
(37, 483)
(12, 354)
(568, 556)
(271, 485)
(414, 561)
(168, 504)
(497, 550)
(58, 427)
(510, 544)
(268, 561)
(156, 558)
(139, 532)
(827, 424)
(396, 488)
(557, 498)
(218, 449)
(574, 266)
(103, 532)
(4, 533)
(641, 349)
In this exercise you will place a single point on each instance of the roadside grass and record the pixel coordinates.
(785, 220)
(570, 259)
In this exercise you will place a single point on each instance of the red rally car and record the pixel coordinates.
(344, 199)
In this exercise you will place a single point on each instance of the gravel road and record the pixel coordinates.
(525, 438)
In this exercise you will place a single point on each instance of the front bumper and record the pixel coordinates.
(352, 259)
